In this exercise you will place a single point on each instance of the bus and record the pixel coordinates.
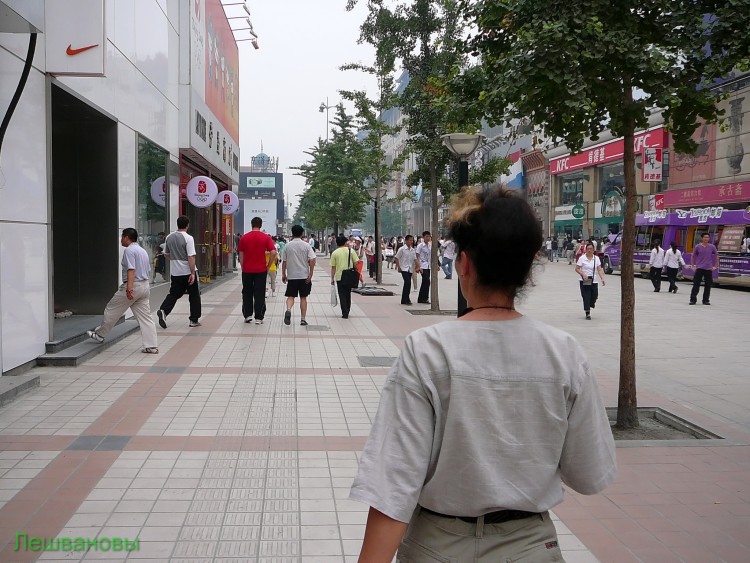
(729, 231)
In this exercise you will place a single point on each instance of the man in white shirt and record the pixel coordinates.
(406, 262)
(656, 263)
(370, 254)
(449, 251)
(180, 249)
(424, 254)
(134, 293)
(297, 267)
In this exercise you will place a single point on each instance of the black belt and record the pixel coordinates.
(497, 517)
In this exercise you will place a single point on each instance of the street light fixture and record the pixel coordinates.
(462, 145)
(373, 190)
(324, 107)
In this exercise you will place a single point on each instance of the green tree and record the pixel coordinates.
(423, 35)
(577, 67)
(334, 177)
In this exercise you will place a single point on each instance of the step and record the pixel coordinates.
(78, 353)
(11, 386)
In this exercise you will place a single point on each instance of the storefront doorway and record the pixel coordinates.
(85, 230)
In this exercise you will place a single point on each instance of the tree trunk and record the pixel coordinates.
(434, 294)
(627, 404)
(379, 231)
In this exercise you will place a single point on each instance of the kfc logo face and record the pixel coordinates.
(201, 187)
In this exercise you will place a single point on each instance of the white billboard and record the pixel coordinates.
(263, 208)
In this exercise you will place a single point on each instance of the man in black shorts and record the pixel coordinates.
(297, 266)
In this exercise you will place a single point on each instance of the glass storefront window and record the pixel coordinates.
(611, 178)
(153, 205)
(571, 190)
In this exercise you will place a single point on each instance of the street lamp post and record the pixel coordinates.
(373, 190)
(462, 145)
(324, 107)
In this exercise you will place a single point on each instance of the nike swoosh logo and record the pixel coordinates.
(70, 51)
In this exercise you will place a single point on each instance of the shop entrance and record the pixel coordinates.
(85, 230)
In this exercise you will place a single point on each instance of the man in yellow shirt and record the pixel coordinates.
(343, 258)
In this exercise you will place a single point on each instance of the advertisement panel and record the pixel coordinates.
(698, 167)
(723, 193)
(608, 152)
(214, 87)
(75, 45)
(261, 182)
(651, 169)
(263, 208)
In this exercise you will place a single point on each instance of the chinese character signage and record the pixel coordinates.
(651, 169)
(723, 193)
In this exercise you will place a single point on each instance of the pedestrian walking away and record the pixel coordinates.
(672, 262)
(554, 254)
(704, 260)
(656, 264)
(180, 249)
(297, 267)
(343, 258)
(424, 255)
(134, 293)
(449, 249)
(252, 248)
(406, 263)
(589, 267)
(498, 510)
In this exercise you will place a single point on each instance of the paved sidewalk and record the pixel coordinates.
(239, 442)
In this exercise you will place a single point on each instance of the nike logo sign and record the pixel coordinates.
(70, 51)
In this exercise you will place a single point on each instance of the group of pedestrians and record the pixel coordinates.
(704, 260)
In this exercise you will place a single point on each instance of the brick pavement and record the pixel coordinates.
(239, 442)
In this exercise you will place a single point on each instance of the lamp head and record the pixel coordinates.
(322, 107)
(462, 145)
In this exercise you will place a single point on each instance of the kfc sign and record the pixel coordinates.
(651, 164)
(230, 203)
(609, 152)
(201, 191)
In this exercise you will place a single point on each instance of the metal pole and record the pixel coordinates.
(328, 123)
(378, 271)
(463, 180)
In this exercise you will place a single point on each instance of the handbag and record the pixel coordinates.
(350, 276)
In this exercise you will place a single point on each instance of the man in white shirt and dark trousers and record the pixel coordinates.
(134, 293)
(424, 254)
(449, 251)
(406, 262)
(297, 267)
(656, 263)
(180, 249)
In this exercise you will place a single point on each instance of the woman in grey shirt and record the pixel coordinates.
(482, 419)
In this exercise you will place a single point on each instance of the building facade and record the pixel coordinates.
(124, 103)
(261, 194)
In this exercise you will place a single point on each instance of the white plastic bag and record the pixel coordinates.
(334, 296)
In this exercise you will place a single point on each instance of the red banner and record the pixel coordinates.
(723, 193)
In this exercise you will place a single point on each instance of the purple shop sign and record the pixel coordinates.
(723, 193)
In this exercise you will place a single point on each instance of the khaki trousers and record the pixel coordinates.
(439, 539)
(141, 309)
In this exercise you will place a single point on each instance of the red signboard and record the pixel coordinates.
(722, 193)
(608, 152)
(222, 69)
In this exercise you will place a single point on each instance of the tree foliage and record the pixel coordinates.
(577, 67)
(334, 178)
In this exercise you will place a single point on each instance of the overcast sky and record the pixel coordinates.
(302, 45)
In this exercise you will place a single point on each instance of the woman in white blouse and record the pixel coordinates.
(589, 267)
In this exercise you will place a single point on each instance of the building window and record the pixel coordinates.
(611, 179)
(571, 190)
(153, 205)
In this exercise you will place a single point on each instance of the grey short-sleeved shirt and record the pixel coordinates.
(297, 255)
(479, 416)
(135, 258)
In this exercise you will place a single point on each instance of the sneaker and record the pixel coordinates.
(692, 302)
(706, 302)
(150, 350)
(588, 316)
(288, 318)
(248, 319)
(675, 290)
(162, 318)
(95, 336)
(258, 321)
(303, 322)
(195, 323)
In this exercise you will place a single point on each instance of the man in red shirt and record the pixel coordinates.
(252, 249)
